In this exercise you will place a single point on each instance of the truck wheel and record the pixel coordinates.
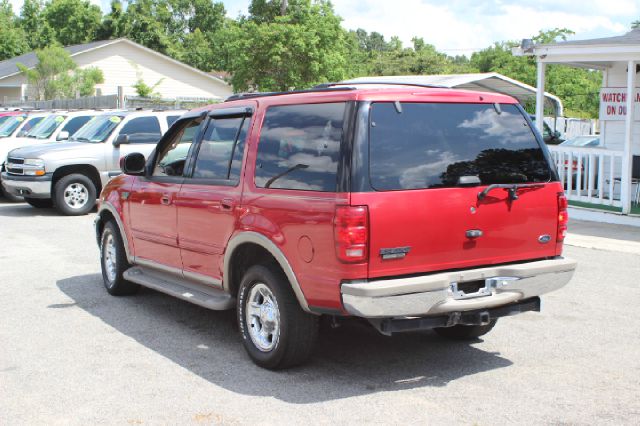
(40, 203)
(113, 261)
(10, 197)
(74, 195)
(465, 332)
(276, 332)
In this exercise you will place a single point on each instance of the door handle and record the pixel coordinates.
(226, 204)
(165, 200)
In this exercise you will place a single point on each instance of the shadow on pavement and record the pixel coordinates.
(9, 209)
(605, 230)
(349, 361)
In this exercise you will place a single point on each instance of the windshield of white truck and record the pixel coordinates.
(97, 129)
(10, 125)
(46, 127)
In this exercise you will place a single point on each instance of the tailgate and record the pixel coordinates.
(431, 227)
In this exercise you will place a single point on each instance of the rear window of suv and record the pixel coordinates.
(431, 145)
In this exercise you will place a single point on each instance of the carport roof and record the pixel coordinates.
(483, 82)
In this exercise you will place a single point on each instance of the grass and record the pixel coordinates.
(635, 209)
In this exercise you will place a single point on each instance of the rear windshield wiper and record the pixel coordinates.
(286, 172)
(511, 187)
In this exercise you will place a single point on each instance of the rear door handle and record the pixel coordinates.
(165, 200)
(226, 204)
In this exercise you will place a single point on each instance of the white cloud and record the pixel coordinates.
(461, 26)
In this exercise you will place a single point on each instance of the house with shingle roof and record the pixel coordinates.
(122, 62)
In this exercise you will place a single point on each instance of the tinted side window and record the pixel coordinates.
(172, 158)
(221, 149)
(142, 130)
(430, 145)
(75, 123)
(172, 119)
(299, 147)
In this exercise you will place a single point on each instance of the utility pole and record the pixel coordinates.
(283, 7)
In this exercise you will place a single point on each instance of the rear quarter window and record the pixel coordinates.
(74, 124)
(299, 147)
(142, 130)
(431, 145)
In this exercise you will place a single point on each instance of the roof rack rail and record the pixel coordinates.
(392, 83)
(290, 92)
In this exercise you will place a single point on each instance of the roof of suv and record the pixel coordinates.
(372, 92)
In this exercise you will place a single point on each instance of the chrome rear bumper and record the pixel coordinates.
(439, 293)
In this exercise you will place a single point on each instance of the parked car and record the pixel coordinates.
(588, 141)
(56, 126)
(413, 208)
(16, 124)
(20, 124)
(70, 175)
(550, 137)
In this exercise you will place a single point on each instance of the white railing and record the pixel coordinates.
(590, 175)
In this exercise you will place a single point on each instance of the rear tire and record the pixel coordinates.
(113, 262)
(276, 332)
(74, 195)
(40, 203)
(465, 332)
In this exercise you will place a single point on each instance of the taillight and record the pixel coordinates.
(351, 233)
(563, 217)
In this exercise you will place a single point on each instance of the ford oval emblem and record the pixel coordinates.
(544, 239)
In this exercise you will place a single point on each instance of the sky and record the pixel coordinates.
(463, 26)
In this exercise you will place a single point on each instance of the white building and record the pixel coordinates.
(607, 176)
(122, 62)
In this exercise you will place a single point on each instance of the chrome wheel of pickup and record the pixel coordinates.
(109, 257)
(263, 317)
(76, 195)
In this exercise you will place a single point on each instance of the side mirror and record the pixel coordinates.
(21, 134)
(556, 134)
(121, 139)
(63, 136)
(133, 164)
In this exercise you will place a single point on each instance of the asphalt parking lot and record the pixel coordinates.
(72, 354)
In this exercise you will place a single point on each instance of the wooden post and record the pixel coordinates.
(625, 189)
(121, 100)
(540, 97)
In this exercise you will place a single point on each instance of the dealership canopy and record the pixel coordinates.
(619, 58)
(483, 82)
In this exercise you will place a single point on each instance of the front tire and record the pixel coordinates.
(40, 203)
(276, 332)
(10, 197)
(74, 195)
(465, 332)
(113, 262)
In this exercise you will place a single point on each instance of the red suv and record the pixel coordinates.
(413, 207)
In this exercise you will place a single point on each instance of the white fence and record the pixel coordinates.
(572, 127)
(590, 175)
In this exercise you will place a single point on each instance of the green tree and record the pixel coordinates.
(13, 40)
(578, 88)
(73, 21)
(114, 24)
(39, 33)
(57, 76)
(197, 50)
(270, 52)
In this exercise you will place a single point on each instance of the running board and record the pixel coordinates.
(180, 287)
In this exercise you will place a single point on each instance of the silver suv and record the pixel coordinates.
(70, 175)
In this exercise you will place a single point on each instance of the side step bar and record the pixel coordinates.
(180, 287)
